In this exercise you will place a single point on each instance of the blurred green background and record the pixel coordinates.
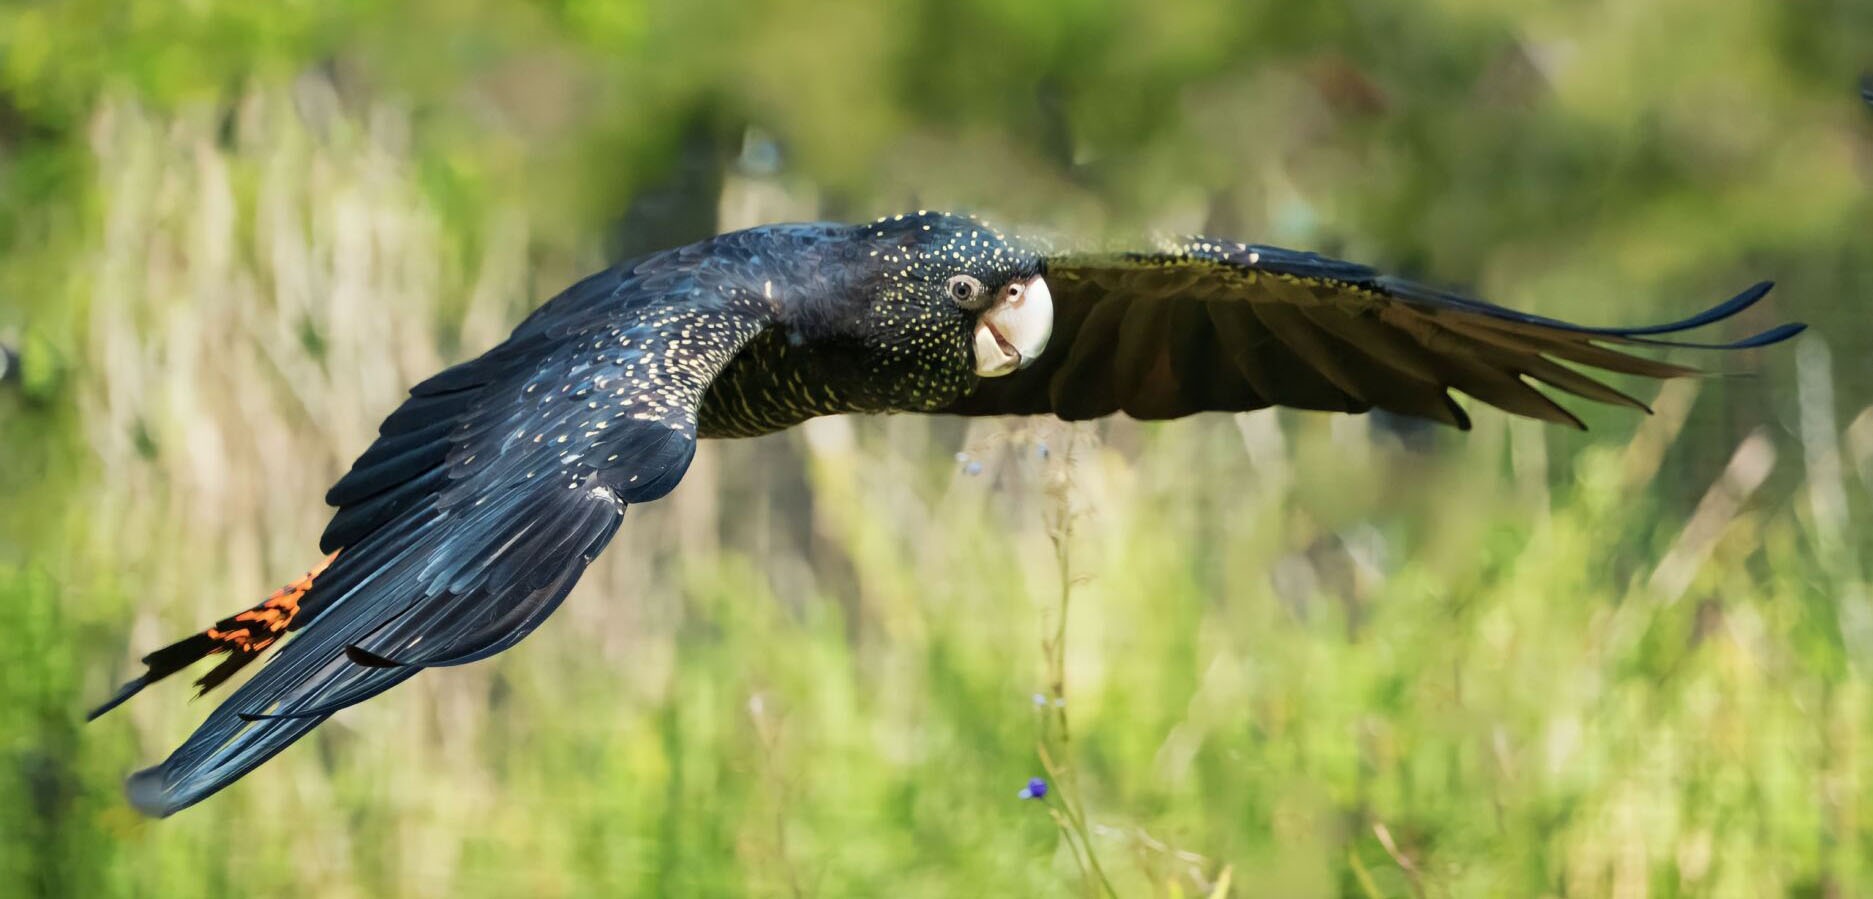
(1307, 655)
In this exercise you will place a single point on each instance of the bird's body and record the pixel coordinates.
(492, 487)
(853, 332)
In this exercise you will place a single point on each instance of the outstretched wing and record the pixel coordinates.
(481, 502)
(1218, 326)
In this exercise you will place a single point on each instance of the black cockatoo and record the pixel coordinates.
(492, 487)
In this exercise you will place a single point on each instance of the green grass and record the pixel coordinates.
(1321, 696)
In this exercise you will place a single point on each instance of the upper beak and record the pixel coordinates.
(1014, 331)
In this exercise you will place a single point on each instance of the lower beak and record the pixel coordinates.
(1014, 331)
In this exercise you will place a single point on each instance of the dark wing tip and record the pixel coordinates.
(361, 656)
(148, 792)
(1866, 88)
(1724, 310)
(1460, 417)
(1750, 296)
(124, 692)
(1774, 335)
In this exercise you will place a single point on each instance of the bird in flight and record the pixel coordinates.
(494, 485)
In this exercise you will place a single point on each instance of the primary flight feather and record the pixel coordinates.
(488, 492)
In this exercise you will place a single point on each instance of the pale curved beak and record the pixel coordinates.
(1014, 331)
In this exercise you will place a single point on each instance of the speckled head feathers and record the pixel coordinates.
(931, 246)
(930, 276)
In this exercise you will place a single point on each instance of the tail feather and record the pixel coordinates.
(430, 588)
(243, 636)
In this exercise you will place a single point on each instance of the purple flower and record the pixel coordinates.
(1036, 789)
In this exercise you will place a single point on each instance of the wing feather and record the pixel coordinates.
(1277, 327)
(485, 497)
(1272, 367)
(1087, 385)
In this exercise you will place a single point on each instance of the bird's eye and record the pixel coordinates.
(964, 289)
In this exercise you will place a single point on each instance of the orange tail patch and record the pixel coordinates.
(243, 636)
(255, 629)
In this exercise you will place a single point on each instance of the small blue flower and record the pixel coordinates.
(1036, 789)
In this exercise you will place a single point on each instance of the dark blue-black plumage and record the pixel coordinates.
(488, 492)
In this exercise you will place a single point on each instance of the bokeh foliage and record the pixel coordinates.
(1325, 655)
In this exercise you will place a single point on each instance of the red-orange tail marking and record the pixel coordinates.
(256, 629)
(243, 636)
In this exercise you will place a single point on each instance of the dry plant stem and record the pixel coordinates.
(1060, 531)
(1399, 857)
(1073, 846)
(1056, 647)
(1072, 823)
(1197, 862)
(1070, 816)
